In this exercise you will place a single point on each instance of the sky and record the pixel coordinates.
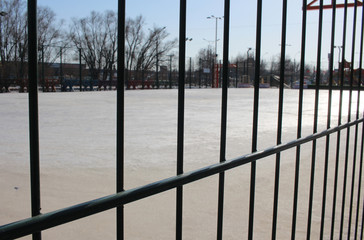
(165, 13)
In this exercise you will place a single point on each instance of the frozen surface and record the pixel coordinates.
(78, 146)
(79, 129)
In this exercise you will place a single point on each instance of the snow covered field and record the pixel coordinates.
(77, 153)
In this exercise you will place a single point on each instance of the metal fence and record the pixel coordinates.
(351, 219)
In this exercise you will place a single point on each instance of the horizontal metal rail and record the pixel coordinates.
(62, 216)
(326, 87)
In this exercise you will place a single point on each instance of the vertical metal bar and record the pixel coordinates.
(219, 73)
(357, 116)
(362, 220)
(120, 117)
(328, 125)
(359, 181)
(255, 118)
(313, 160)
(347, 142)
(33, 112)
(181, 106)
(299, 123)
(225, 79)
(359, 190)
(280, 118)
(339, 132)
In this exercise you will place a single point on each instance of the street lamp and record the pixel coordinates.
(209, 41)
(170, 70)
(2, 14)
(339, 47)
(216, 19)
(294, 64)
(262, 58)
(209, 45)
(247, 61)
(157, 57)
(190, 39)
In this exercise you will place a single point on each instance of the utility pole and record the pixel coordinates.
(156, 71)
(189, 39)
(199, 73)
(170, 70)
(215, 57)
(2, 14)
(247, 62)
(190, 72)
(237, 73)
(157, 58)
(80, 69)
(339, 47)
(61, 69)
(43, 79)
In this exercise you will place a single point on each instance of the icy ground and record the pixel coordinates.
(79, 129)
(77, 154)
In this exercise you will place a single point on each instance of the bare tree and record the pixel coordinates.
(144, 50)
(13, 40)
(134, 38)
(205, 57)
(156, 47)
(110, 54)
(96, 35)
(91, 35)
(50, 35)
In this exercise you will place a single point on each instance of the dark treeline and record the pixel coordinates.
(94, 38)
(14, 41)
(93, 41)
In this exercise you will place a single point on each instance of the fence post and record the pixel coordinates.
(33, 111)
(120, 117)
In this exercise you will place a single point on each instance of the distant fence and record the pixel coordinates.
(348, 224)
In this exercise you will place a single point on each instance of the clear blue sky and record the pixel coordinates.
(242, 24)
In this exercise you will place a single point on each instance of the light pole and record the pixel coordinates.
(80, 68)
(43, 79)
(190, 75)
(216, 19)
(61, 69)
(209, 42)
(190, 72)
(170, 70)
(247, 61)
(157, 57)
(2, 14)
(157, 63)
(199, 72)
(262, 60)
(339, 47)
(294, 64)
(211, 65)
